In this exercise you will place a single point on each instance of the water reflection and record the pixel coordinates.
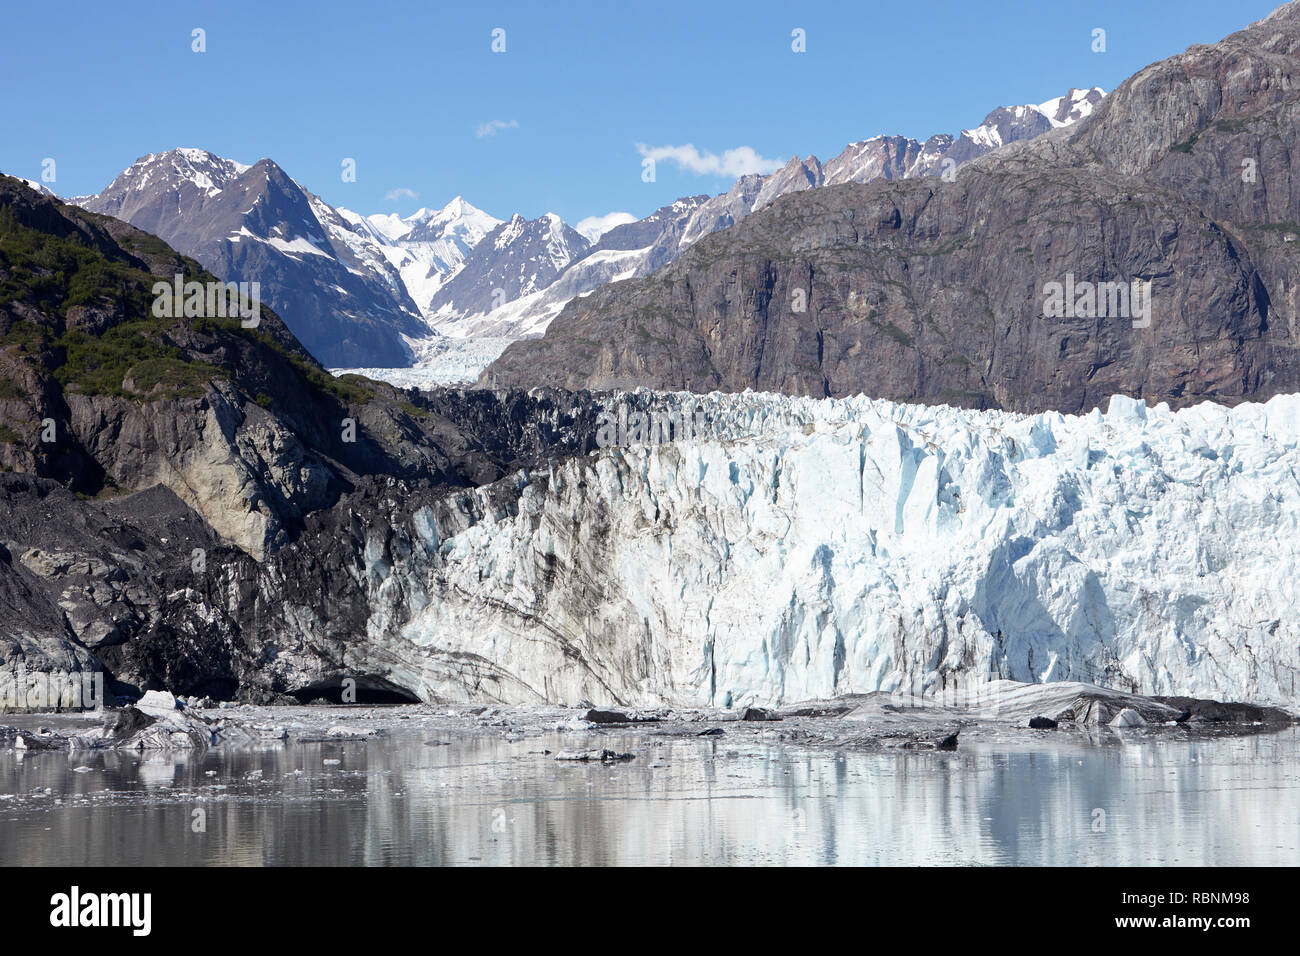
(681, 802)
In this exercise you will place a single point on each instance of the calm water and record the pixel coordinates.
(491, 801)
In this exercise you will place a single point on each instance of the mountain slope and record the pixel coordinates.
(347, 305)
(515, 259)
(241, 423)
(632, 249)
(937, 291)
(427, 247)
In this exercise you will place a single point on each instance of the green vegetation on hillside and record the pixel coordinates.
(53, 273)
(130, 353)
(350, 389)
(135, 358)
(56, 274)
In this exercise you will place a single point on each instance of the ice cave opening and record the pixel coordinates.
(364, 689)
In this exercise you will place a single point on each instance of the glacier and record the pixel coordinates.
(802, 548)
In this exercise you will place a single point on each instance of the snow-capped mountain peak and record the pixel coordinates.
(513, 230)
(39, 187)
(427, 225)
(469, 273)
(1072, 107)
(457, 218)
(515, 259)
(206, 171)
(389, 226)
(458, 208)
(428, 247)
(316, 269)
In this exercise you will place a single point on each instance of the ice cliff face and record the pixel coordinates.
(807, 548)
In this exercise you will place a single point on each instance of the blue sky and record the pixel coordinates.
(407, 89)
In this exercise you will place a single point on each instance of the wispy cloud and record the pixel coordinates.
(593, 227)
(740, 161)
(401, 192)
(492, 127)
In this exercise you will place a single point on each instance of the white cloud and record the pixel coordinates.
(593, 227)
(491, 127)
(740, 161)
(401, 192)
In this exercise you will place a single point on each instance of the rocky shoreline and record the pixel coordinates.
(1003, 712)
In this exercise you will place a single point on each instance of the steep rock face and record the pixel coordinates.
(663, 227)
(240, 467)
(884, 157)
(809, 548)
(1007, 124)
(82, 578)
(935, 292)
(515, 259)
(1072, 107)
(724, 210)
(1219, 125)
(932, 290)
(796, 176)
(347, 305)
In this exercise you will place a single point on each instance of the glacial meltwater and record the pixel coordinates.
(412, 797)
